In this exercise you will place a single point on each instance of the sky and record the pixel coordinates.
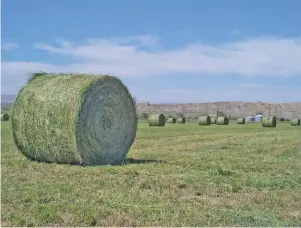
(170, 51)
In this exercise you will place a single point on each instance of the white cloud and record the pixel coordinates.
(9, 46)
(142, 56)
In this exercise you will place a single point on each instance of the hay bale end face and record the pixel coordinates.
(171, 120)
(4, 117)
(269, 121)
(74, 119)
(222, 120)
(213, 120)
(181, 120)
(241, 121)
(204, 120)
(156, 120)
(295, 122)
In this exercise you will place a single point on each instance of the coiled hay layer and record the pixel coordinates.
(269, 121)
(4, 117)
(181, 120)
(204, 120)
(222, 120)
(171, 120)
(295, 122)
(241, 121)
(156, 120)
(75, 119)
(213, 120)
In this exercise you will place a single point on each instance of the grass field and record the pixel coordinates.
(177, 175)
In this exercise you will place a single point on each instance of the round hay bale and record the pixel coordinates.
(181, 120)
(4, 117)
(74, 119)
(269, 121)
(241, 121)
(156, 120)
(222, 120)
(295, 122)
(213, 120)
(171, 120)
(204, 120)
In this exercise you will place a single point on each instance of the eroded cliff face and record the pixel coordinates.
(237, 109)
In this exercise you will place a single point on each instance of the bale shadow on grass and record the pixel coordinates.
(127, 161)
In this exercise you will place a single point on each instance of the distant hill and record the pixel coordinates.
(234, 108)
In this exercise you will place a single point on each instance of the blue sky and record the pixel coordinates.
(164, 51)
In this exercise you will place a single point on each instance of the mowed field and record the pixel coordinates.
(177, 175)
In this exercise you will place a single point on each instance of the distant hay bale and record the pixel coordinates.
(4, 117)
(171, 120)
(181, 120)
(213, 120)
(269, 121)
(241, 121)
(74, 119)
(295, 122)
(204, 120)
(222, 120)
(156, 120)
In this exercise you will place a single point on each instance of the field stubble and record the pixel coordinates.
(177, 175)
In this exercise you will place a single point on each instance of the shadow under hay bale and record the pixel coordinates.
(78, 120)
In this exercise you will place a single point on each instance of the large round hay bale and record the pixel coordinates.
(241, 121)
(4, 117)
(204, 120)
(222, 120)
(213, 120)
(269, 121)
(75, 119)
(156, 120)
(181, 120)
(171, 120)
(295, 122)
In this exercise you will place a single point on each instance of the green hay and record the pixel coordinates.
(74, 119)
(4, 117)
(241, 121)
(181, 120)
(156, 120)
(204, 120)
(222, 120)
(213, 120)
(171, 120)
(295, 122)
(269, 121)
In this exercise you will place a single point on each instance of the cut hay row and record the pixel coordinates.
(222, 120)
(213, 120)
(171, 120)
(4, 117)
(75, 119)
(204, 120)
(269, 121)
(295, 122)
(156, 120)
(241, 121)
(181, 120)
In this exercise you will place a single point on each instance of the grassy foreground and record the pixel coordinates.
(177, 175)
